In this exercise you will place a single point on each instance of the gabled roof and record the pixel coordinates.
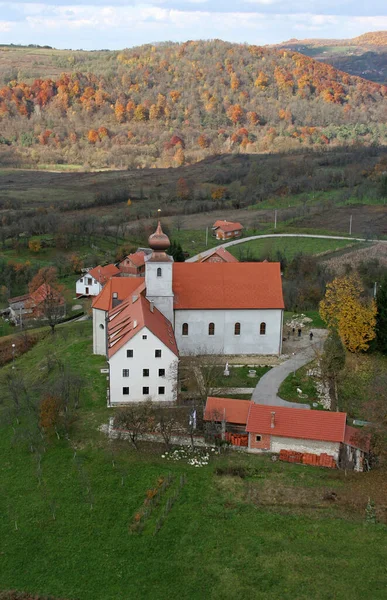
(227, 226)
(297, 423)
(227, 285)
(127, 319)
(357, 438)
(222, 253)
(232, 411)
(137, 258)
(103, 274)
(42, 292)
(122, 286)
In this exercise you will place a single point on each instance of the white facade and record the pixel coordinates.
(158, 282)
(87, 286)
(99, 331)
(278, 443)
(250, 340)
(143, 370)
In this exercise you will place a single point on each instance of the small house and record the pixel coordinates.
(227, 230)
(133, 265)
(282, 430)
(218, 255)
(35, 304)
(92, 282)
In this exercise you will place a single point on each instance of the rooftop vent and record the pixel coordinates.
(134, 324)
(272, 425)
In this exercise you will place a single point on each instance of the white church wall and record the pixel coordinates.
(99, 332)
(224, 341)
(143, 358)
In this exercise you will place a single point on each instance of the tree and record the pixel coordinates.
(34, 245)
(176, 251)
(135, 420)
(331, 363)
(52, 308)
(44, 275)
(345, 310)
(381, 317)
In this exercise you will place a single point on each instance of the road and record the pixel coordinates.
(277, 235)
(266, 391)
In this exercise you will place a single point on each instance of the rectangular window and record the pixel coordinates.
(125, 391)
(81, 280)
(129, 354)
(258, 438)
(161, 391)
(89, 281)
(145, 372)
(145, 391)
(161, 372)
(157, 353)
(125, 372)
(144, 337)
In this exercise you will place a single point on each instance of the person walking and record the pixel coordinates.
(299, 332)
(311, 336)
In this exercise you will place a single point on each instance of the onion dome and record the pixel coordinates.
(158, 241)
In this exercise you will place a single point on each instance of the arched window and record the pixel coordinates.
(211, 329)
(158, 271)
(237, 329)
(184, 329)
(262, 329)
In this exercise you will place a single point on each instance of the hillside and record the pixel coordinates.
(171, 104)
(362, 56)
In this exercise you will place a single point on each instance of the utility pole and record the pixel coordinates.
(275, 219)
(350, 225)
(375, 289)
(206, 236)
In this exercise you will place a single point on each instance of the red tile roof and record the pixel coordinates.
(297, 423)
(227, 226)
(122, 286)
(103, 274)
(222, 253)
(357, 438)
(137, 258)
(227, 285)
(233, 411)
(40, 294)
(127, 319)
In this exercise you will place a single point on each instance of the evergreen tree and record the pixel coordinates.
(176, 251)
(381, 317)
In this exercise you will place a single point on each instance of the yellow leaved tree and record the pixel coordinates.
(345, 310)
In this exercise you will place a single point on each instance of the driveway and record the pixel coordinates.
(302, 352)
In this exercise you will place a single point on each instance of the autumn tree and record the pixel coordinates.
(345, 310)
(235, 113)
(44, 275)
(34, 245)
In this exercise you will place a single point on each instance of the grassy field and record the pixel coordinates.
(269, 247)
(266, 534)
(239, 377)
(317, 322)
(300, 380)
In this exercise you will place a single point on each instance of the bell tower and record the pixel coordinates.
(158, 273)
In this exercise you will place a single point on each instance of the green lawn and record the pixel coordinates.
(267, 535)
(267, 248)
(300, 380)
(317, 322)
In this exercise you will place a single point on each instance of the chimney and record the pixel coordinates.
(272, 425)
(151, 306)
(115, 296)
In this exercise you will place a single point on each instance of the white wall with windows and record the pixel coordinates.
(144, 368)
(229, 331)
(87, 286)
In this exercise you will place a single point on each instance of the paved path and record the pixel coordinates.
(266, 391)
(277, 235)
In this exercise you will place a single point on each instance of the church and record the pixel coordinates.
(142, 325)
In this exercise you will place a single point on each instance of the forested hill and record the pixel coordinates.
(168, 104)
(364, 56)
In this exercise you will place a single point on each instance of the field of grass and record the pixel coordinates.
(269, 247)
(317, 322)
(268, 534)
